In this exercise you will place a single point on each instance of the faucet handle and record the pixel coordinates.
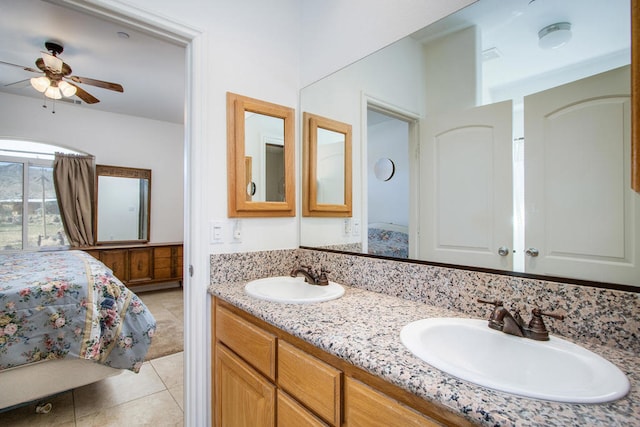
(536, 325)
(497, 303)
(323, 280)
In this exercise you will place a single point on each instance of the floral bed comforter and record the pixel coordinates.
(64, 304)
(388, 243)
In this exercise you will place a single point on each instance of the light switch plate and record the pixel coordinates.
(216, 232)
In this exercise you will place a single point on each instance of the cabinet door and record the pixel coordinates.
(140, 265)
(116, 260)
(242, 396)
(365, 406)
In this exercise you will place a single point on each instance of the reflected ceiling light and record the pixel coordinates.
(555, 35)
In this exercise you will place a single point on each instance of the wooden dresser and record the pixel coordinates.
(142, 264)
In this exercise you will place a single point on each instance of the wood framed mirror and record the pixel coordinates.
(326, 167)
(122, 205)
(260, 158)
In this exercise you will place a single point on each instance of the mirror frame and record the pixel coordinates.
(237, 205)
(121, 172)
(635, 95)
(310, 205)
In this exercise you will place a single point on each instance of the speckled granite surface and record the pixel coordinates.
(363, 327)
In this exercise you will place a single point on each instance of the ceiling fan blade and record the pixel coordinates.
(18, 84)
(53, 63)
(99, 83)
(84, 95)
(33, 70)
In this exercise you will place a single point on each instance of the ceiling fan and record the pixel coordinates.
(56, 80)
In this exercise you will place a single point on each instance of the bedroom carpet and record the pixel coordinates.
(167, 308)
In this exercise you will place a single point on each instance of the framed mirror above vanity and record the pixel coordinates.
(260, 158)
(122, 204)
(517, 153)
(326, 167)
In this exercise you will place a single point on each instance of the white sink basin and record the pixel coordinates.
(292, 290)
(556, 370)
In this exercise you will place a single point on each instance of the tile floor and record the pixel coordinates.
(153, 397)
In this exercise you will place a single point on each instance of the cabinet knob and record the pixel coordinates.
(532, 252)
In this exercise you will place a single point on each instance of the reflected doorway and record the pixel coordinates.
(389, 171)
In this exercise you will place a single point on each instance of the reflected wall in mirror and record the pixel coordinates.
(123, 204)
(260, 158)
(480, 88)
(326, 167)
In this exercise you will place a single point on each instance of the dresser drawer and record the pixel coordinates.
(311, 381)
(251, 343)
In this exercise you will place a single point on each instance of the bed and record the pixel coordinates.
(387, 239)
(65, 321)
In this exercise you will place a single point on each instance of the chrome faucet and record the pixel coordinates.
(502, 320)
(311, 276)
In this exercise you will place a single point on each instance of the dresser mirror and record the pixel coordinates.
(122, 204)
(260, 158)
(326, 167)
(496, 57)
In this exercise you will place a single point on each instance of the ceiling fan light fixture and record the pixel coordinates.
(40, 83)
(555, 35)
(67, 89)
(53, 92)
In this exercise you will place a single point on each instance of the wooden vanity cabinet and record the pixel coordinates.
(258, 367)
(142, 264)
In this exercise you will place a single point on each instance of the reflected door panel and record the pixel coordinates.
(582, 217)
(466, 197)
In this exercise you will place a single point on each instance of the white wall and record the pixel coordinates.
(340, 97)
(336, 33)
(113, 139)
(388, 201)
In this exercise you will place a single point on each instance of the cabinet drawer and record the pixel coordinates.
(251, 343)
(365, 406)
(291, 413)
(162, 252)
(311, 381)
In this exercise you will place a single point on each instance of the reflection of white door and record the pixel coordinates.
(581, 214)
(466, 187)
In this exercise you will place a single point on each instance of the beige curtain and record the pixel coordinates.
(73, 178)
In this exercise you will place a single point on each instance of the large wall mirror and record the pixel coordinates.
(123, 204)
(326, 167)
(260, 158)
(510, 128)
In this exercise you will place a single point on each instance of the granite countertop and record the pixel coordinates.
(363, 328)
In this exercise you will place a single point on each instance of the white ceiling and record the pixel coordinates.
(150, 70)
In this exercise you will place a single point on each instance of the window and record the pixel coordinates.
(29, 214)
